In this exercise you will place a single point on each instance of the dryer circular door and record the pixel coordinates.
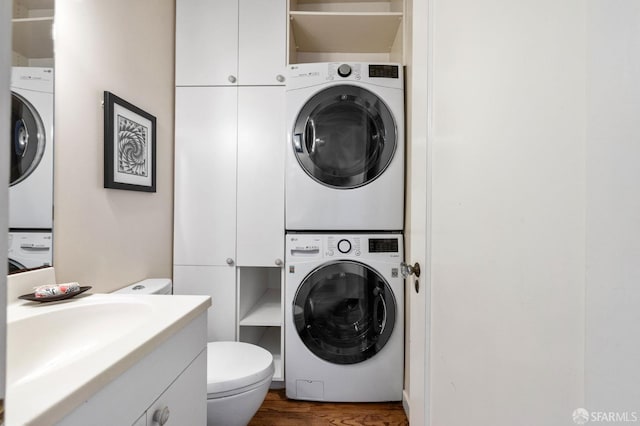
(344, 137)
(27, 139)
(344, 312)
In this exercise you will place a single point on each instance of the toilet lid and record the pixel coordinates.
(234, 365)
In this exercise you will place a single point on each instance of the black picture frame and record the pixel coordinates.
(129, 146)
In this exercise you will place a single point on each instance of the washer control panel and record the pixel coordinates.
(343, 246)
(338, 245)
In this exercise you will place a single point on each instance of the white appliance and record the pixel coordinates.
(29, 250)
(344, 317)
(345, 150)
(31, 140)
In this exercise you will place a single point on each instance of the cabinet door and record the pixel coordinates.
(219, 282)
(261, 149)
(205, 175)
(206, 42)
(262, 42)
(185, 401)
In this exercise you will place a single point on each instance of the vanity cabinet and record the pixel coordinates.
(231, 42)
(32, 27)
(173, 376)
(345, 30)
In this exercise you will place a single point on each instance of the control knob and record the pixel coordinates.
(344, 70)
(344, 246)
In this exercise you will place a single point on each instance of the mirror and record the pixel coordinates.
(31, 136)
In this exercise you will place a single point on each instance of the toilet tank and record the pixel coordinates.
(148, 286)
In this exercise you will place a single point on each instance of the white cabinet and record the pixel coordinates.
(174, 375)
(230, 42)
(224, 133)
(173, 407)
(261, 150)
(219, 282)
(205, 175)
(32, 27)
(229, 165)
(351, 30)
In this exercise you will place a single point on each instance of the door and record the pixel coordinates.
(344, 312)
(206, 42)
(219, 282)
(344, 137)
(261, 42)
(27, 139)
(418, 230)
(205, 176)
(260, 234)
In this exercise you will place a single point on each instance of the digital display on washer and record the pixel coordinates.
(383, 245)
(384, 71)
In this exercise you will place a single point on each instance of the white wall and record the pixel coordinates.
(613, 207)
(508, 221)
(103, 237)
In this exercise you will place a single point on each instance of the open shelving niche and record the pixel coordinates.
(336, 30)
(32, 27)
(260, 311)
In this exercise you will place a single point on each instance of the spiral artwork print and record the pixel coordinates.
(132, 147)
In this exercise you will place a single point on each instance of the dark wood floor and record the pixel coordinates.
(277, 410)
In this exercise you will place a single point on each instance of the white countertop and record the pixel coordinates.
(61, 353)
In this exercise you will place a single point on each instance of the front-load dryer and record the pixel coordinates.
(345, 149)
(344, 317)
(31, 151)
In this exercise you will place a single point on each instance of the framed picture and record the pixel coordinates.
(129, 146)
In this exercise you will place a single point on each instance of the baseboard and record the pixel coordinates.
(405, 403)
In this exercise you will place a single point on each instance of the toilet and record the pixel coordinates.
(238, 374)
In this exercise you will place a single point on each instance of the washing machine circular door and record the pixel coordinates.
(344, 137)
(344, 312)
(27, 139)
(15, 266)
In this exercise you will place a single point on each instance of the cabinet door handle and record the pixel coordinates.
(278, 262)
(229, 261)
(280, 78)
(232, 79)
(161, 415)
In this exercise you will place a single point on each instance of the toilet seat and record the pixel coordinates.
(236, 367)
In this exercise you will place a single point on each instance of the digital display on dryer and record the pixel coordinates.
(383, 71)
(383, 245)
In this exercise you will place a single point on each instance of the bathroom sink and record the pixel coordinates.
(61, 353)
(55, 337)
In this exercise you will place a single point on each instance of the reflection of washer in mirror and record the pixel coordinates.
(344, 137)
(27, 139)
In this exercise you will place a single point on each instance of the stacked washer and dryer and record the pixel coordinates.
(344, 293)
(31, 181)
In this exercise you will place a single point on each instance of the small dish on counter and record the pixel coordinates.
(32, 296)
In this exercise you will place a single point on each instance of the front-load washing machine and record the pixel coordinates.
(29, 250)
(345, 149)
(31, 152)
(344, 317)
